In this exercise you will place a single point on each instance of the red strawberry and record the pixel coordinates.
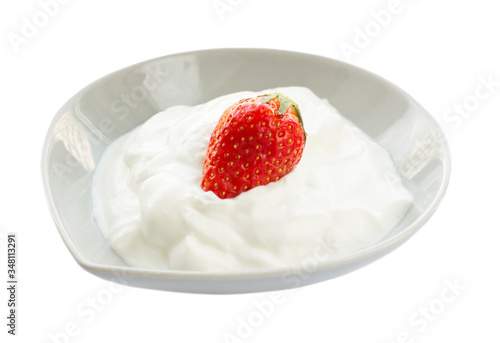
(255, 142)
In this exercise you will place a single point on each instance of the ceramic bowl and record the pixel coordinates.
(113, 105)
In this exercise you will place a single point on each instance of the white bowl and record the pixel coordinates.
(118, 102)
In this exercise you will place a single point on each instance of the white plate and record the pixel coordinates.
(118, 102)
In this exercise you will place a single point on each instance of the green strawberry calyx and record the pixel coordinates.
(285, 103)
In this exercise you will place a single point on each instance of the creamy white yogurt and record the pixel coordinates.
(344, 195)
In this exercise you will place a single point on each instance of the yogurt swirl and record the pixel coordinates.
(149, 205)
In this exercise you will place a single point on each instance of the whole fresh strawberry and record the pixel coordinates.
(255, 142)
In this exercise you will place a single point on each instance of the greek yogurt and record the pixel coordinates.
(344, 195)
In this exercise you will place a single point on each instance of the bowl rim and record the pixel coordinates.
(377, 249)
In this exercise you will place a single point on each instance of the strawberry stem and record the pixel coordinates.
(284, 104)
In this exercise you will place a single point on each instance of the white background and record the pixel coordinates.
(438, 51)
